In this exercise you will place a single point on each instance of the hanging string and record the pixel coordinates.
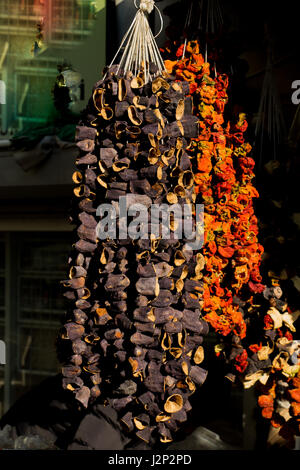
(210, 20)
(141, 48)
(186, 26)
(270, 119)
(200, 15)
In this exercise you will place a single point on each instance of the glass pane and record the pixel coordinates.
(40, 294)
(21, 7)
(2, 255)
(43, 264)
(2, 291)
(36, 89)
(2, 279)
(1, 376)
(1, 392)
(29, 382)
(37, 350)
(2, 296)
(72, 15)
(44, 255)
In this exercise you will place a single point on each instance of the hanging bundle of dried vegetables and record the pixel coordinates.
(217, 188)
(133, 334)
(273, 361)
(254, 325)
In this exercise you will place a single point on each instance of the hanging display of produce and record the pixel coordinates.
(154, 133)
(134, 333)
(237, 305)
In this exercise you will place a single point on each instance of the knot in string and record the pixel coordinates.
(146, 5)
(140, 48)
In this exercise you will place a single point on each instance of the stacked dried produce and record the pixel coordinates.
(270, 354)
(218, 190)
(279, 397)
(134, 330)
(254, 324)
(273, 359)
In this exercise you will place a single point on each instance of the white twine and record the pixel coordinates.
(214, 20)
(270, 118)
(141, 47)
(145, 5)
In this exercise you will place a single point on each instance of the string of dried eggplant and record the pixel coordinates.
(134, 332)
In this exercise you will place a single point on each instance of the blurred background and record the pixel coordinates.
(51, 54)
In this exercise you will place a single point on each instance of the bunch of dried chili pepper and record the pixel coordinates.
(216, 186)
(234, 294)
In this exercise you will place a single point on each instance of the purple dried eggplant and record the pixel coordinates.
(129, 387)
(86, 145)
(88, 159)
(154, 382)
(141, 340)
(141, 301)
(86, 233)
(198, 375)
(95, 392)
(87, 205)
(77, 271)
(148, 286)
(72, 384)
(82, 304)
(166, 283)
(173, 327)
(145, 434)
(71, 371)
(145, 327)
(127, 420)
(121, 108)
(123, 321)
(107, 156)
(120, 403)
(191, 321)
(76, 359)
(164, 299)
(84, 246)
(116, 282)
(83, 132)
(121, 356)
(73, 331)
(80, 317)
(143, 314)
(138, 134)
(190, 300)
(79, 347)
(115, 333)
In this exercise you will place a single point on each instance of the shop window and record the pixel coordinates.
(2, 101)
(2, 369)
(71, 19)
(2, 281)
(20, 13)
(68, 20)
(31, 317)
(34, 100)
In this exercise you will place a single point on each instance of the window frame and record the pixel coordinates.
(14, 374)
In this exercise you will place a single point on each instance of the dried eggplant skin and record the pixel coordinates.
(134, 322)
